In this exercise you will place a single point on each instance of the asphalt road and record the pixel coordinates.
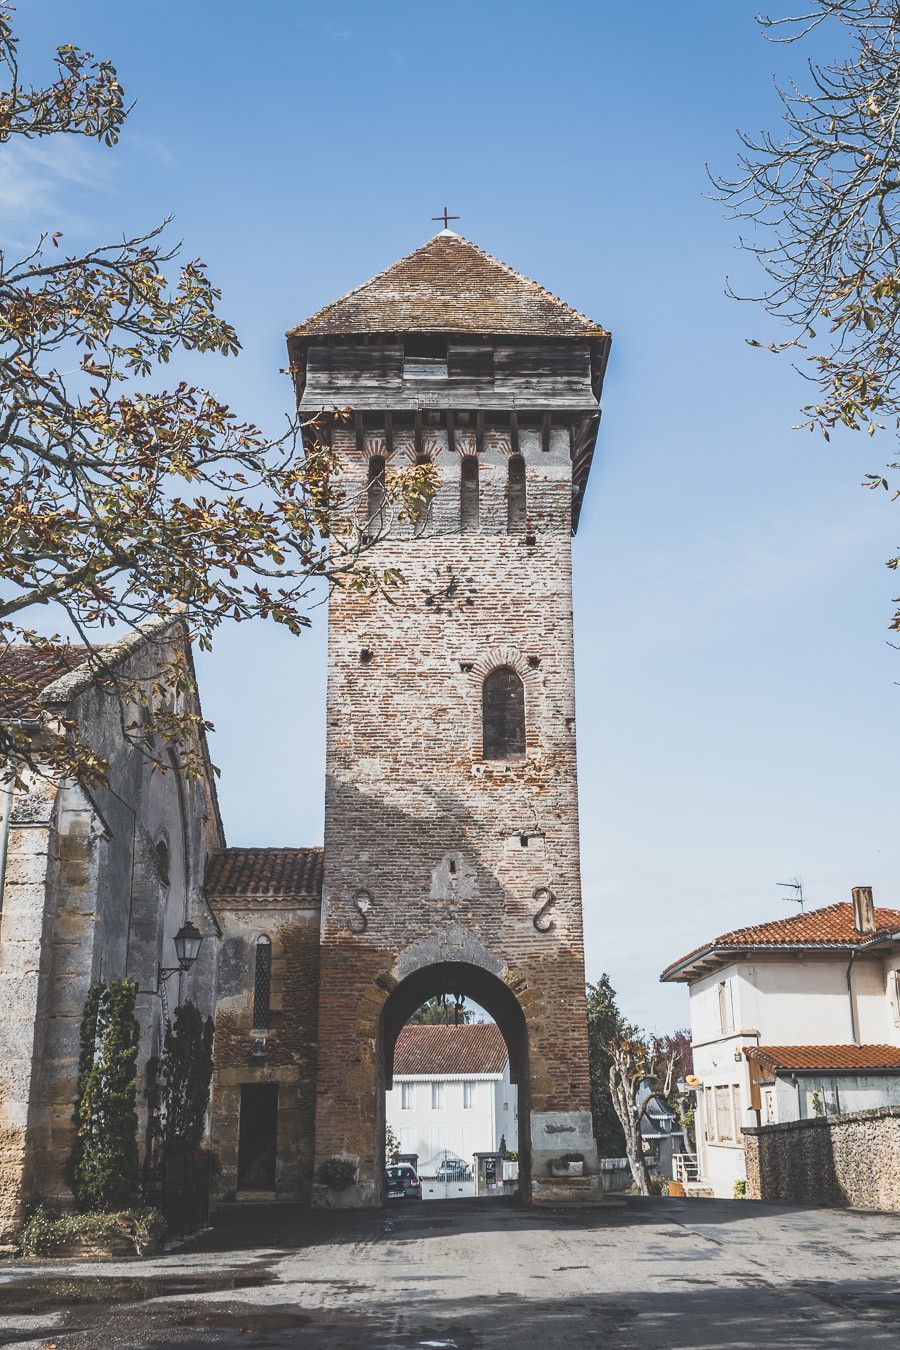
(467, 1275)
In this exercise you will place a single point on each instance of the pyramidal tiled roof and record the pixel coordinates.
(450, 285)
(258, 875)
(477, 1047)
(831, 926)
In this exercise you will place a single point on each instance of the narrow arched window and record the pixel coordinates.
(516, 504)
(468, 494)
(262, 983)
(503, 715)
(423, 518)
(161, 854)
(376, 494)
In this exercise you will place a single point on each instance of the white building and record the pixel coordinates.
(452, 1096)
(790, 1019)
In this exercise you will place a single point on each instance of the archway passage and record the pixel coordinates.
(490, 993)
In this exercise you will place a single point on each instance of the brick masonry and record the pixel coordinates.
(836, 1160)
(432, 853)
(289, 1058)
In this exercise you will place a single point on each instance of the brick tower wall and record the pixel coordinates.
(432, 853)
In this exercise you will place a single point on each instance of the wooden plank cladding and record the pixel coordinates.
(375, 375)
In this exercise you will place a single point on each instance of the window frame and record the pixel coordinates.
(501, 741)
(261, 1016)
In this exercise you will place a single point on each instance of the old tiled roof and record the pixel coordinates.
(26, 671)
(833, 1058)
(831, 926)
(449, 285)
(260, 874)
(478, 1047)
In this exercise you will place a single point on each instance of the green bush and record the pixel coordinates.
(740, 1190)
(337, 1173)
(45, 1233)
(103, 1166)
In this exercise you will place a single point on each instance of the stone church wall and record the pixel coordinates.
(288, 1043)
(84, 899)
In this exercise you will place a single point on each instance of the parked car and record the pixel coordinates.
(402, 1183)
(453, 1169)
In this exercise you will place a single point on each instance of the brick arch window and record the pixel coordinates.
(376, 494)
(469, 504)
(516, 500)
(503, 714)
(262, 982)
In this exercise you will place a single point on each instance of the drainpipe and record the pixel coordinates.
(6, 801)
(854, 1030)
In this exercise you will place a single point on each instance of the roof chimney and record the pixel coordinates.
(863, 910)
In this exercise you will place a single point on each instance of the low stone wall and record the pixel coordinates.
(837, 1160)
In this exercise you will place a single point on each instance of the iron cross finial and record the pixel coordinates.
(445, 218)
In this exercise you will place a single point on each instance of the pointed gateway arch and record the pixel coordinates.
(451, 834)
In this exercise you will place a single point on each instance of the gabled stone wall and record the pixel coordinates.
(830, 1160)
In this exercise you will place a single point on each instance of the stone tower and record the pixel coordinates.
(451, 813)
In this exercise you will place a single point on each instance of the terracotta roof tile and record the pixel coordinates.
(26, 671)
(449, 285)
(827, 1057)
(831, 926)
(478, 1047)
(264, 873)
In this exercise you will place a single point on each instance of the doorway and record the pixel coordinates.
(455, 1086)
(258, 1137)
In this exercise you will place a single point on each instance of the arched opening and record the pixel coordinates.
(516, 499)
(469, 505)
(424, 514)
(375, 495)
(503, 715)
(460, 981)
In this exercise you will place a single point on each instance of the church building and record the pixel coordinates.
(450, 862)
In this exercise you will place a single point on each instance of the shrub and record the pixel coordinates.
(45, 1233)
(740, 1190)
(337, 1173)
(103, 1166)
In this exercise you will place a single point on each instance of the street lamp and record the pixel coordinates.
(188, 940)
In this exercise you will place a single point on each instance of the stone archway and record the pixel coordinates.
(497, 999)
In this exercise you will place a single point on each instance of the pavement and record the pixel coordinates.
(467, 1275)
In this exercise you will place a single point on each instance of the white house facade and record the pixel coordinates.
(451, 1096)
(791, 1019)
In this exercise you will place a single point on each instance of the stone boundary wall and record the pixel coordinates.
(835, 1160)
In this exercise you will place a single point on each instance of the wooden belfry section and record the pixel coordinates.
(451, 820)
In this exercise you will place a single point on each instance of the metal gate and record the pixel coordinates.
(446, 1176)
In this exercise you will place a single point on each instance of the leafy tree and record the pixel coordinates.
(103, 1166)
(631, 1063)
(822, 197)
(120, 502)
(676, 1048)
(603, 1018)
(391, 1145)
(179, 1081)
(442, 1011)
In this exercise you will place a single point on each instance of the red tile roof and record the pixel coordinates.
(26, 671)
(827, 1058)
(449, 285)
(831, 926)
(478, 1047)
(260, 874)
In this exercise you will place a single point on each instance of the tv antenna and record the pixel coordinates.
(795, 885)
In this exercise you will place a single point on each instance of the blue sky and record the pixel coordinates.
(737, 699)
